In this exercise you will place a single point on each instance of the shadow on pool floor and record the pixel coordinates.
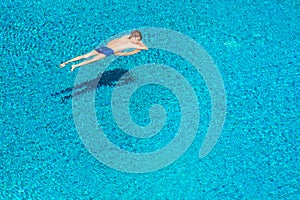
(108, 78)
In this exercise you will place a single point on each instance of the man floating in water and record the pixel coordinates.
(116, 46)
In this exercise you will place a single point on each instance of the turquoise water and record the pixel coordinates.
(255, 46)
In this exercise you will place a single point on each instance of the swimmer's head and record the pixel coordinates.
(137, 35)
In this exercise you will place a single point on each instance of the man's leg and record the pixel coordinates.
(92, 53)
(96, 58)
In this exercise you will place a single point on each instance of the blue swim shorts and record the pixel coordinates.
(105, 50)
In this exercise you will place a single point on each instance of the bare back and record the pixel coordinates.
(121, 44)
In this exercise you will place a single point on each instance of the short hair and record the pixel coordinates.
(135, 33)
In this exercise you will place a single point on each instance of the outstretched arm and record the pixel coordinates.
(127, 53)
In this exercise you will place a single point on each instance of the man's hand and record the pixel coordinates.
(143, 45)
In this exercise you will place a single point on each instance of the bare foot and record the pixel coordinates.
(62, 65)
(73, 67)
